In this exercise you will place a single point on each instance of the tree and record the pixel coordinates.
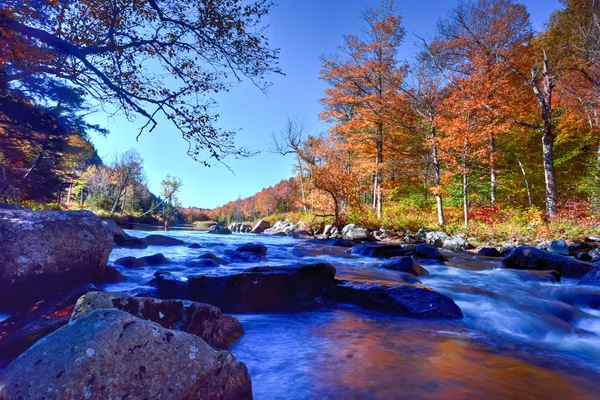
(144, 58)
(290, 141)
(126, 168)
(365, 77)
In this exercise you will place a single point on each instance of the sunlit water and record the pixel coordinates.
(518, 339)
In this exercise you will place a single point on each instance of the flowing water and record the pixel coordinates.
(519, 338)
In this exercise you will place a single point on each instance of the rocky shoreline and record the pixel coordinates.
(111, 344)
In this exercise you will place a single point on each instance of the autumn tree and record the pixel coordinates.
(144, 58)
(365, 77)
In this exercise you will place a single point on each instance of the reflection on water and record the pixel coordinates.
(519, 339)
(345, 354)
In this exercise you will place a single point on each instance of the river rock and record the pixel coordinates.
(162, 240)
(428, 251)
(200, 319)
(201, 263)
(122, 238)
(195, 246)
(507, 248)
(259, 289)
(134, 262)
(44, 253)
(559, 247)
(210, 256)
(111, 354)
(215, 230)
(110, 275)
(260, 226)
(415, 301)
(436, 238)
(300, 234)
(526, 257)
(404, 264)
(378, 250)
(24, 328)
(489, 252)
(253, 248)
(591, 278)
(352, 232)
(582, 256)
(455, 243)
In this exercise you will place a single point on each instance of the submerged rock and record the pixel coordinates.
(134, 262)
(161, 240)
(253, 248)
(334, 242)
(259, 289)
(539, 276)
(378, 250)
(526, 257)
(110, 275)
(195, 246)
(112, 354)
(234, 256)
(24, 328)
(591, 278)
(489, 252)
(200, 319)
(44, 253)
(405, 264)
(415, 301)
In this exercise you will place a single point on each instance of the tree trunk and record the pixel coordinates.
(301, 182)
(437, 178)
(526, 181)
(549, 172)
(465, 190)
(379, 174)
(493, 171)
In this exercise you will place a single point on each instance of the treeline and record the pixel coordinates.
(282, 198)
(488, 116)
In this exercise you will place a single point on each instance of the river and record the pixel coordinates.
(518, 339)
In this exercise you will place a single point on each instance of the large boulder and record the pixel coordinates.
(378, 250)
(111, 354)
(135, 262)
(24, 328)
(44, 253)
(436, 239)
(260, 226)
(415, 301)
(122, 238)
(526, 257)
(259, 289)
(162, 240)
(200, 319)
(353, 232)
(591, 278)
(404, 264)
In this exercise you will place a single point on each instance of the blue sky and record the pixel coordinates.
(304, 30)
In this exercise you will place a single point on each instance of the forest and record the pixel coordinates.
(491, 125)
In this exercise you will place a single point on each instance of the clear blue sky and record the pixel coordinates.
(304, 30)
